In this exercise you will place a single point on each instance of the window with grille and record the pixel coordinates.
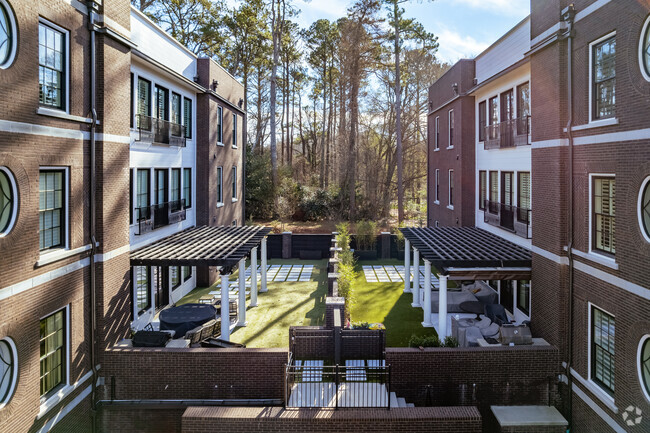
(143, 101)
(451, 128)
(142, 194)
(481, 121)
(162, 103)
(219, 125)
(234, 130)
(187, 117)
(482, 188)
(52, 353)
(604, 214)
(176, 108)
(604, 78)
(52, 74)
(51, 209)
(523, 201)
(603, 332)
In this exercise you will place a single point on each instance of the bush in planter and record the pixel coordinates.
(343, 237)
(450, 342)
(424, 341)
(347, 274)
(366, 235)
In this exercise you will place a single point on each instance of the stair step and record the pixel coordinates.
(401, 402)
(410, 404)
(393, 400)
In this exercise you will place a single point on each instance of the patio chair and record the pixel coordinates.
(497, 314)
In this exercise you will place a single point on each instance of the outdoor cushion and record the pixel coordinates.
(491, 330)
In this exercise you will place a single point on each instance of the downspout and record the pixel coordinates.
(92, 10)
(568, 15)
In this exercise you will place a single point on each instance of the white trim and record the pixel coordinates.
(15, 200)
(112, 254)
(14, 34)
(60, 114)
(436, 202)
(112, 138)
(66, 206)
(437, 144)
(644, 387)
(598, 258)
(595, 124)
(54, 399)
(450, 114)
(590, 9)
(220, 182)
(561, 25)
(450, 207)
(14, 359)
(234, 130)
(561, 260)
(612, 137)
(622, 284)
(591, 71)
(49, 131)
(436, 150)
(645, 234)
(234, 183)
(595, 389)
(60, 254)
(67, 409)
(597, 409)
(450, 175)
(220, 124)
(66, 41)
(63, 393)
(590, 209)
(543, 144)
(641, 44)
(491, 269)
(78, 6)
(437, 187)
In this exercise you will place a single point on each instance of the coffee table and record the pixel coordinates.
(475, 307)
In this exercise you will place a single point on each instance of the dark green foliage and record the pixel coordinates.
(424, 341)
(450, 342)
(259, 188)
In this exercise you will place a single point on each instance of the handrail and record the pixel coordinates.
(160, 131)
(159, 215)
(509, 217)
(509, 133)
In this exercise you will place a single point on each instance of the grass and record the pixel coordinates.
(388, 304)
(285, 304)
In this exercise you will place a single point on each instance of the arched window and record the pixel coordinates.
(644, 208)
(644, 50)
(8, 370)
(644, 365)
(8, 201)
(8, 36)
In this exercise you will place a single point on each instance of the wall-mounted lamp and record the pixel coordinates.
(241, 102)
(430, 105)
(455, 88)
(215, 83)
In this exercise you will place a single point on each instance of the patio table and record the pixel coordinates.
(186, 317)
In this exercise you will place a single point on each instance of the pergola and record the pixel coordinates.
(221, 246)
(459, 253)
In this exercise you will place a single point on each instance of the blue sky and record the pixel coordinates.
(464, 27)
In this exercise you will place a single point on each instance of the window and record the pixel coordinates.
(644, 366)
(8, 41)
(160, 188)
(482, 188)
(131, 112)
(52, 66)
(604, 78)
(51, 209)
(176, 187)
(437, 138)
(494, 191)
(234, 223)
(234, 130)
(437, 185)
(451, 187)
(219, 185)
(8, 202)
(494, 111)
(481, 121)
(234, 183)
(8, 368)
(187, 272)
(142, 194)
(523, 109)
(187, 117)
(644, 208)
(176, 108)
(175, 275)
(162, 103)
(142, 288)
(604, 214)
(602, 349)
(523, 296)
(130, 196)
(187, 187)
(523, 199)
(53, 352)
(144, 101)
(451, 128)
(219, 124)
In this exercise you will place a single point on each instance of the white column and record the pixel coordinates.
(407, 266)
(264, 287)
(427, 295)
(241, 316)
(442, 308)
(254, 277)
(416, 278)
(225, 308)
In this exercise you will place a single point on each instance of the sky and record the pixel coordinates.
(464, 27)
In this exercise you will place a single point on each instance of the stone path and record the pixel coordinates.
(394, 274)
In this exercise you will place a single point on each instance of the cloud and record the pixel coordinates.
(454, 46)
(316, 9)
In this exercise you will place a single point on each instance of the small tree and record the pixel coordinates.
(366, 235)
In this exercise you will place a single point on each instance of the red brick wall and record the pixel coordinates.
(132, 419)
(274, 419)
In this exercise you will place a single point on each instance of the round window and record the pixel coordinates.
(644, 208)
(644, 365)
(7, 35)
(8, 370)
(644, 50)
(8, 201)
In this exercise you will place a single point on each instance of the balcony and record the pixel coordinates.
(159, 215)
(511, 133)
(160, 132)
(512, 218)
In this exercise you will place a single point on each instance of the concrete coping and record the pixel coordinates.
(335, 233)
(385, 233)
(337, 317)
(512, 416)
(335, 300)
(333, 275)
(286, 233)
(336, 249)
(334, 260)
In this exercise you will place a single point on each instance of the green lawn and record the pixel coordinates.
(388, 304)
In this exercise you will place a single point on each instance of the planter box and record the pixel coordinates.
(366, 255)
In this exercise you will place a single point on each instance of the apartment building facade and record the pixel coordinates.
(556, 177)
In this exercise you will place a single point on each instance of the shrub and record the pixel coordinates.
(424, 341)
(316, 204)
(450, 342)
(366, 235)
(347, 274)
(343, 237)
(361, 325)
(399, 236)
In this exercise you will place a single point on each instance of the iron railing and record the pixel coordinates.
(513, 218)
(159, 215)
(159, 131)
(509, 133)
(337, 386)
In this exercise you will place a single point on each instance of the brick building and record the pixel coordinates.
(69, 147)
(570, 183)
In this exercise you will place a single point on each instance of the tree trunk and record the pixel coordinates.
(398, 120)
(322, 140)
(274, 71)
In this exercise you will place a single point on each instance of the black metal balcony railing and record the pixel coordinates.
(510, 133)
(512, 218)
(158, 131)
(159, 215)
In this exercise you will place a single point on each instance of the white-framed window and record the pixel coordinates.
(482, 189)
(187, 272)
(643, 359)
(644, 50)
(142, 288)
(187, 187)
(481, 121)
(8, 201)
(187, 117)
(602, 215)
(8, 35)
(451, 189)
(234, 183)
(53, 208)
(437, 190)
(451, 129)
(175, 277)
(234, 130)
(219, 186)
(8, 370)
(523, 296)
(602, 333)
(437, 137)
(53, 69)
(54, 352)
(644, 208)
(234, 223)
(602, 78)
(220, 126)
